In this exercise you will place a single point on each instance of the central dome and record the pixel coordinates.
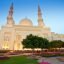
(26, 22)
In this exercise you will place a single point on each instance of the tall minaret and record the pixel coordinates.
(40, 20)
(10, 21)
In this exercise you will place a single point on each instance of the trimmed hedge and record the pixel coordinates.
(52, 55)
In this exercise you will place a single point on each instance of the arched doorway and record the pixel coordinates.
(5, 45)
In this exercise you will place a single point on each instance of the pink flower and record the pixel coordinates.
(44, 63)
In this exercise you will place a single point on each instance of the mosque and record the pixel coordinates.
(11, 35)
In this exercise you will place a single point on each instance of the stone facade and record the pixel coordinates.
(11, 35)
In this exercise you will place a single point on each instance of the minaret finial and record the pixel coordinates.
(10, 20)
(40, 20)
(11, 10)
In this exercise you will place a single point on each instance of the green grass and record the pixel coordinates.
(19, 60)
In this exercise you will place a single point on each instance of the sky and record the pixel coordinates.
(52, 12)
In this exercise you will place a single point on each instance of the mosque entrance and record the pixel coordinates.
(5, 46)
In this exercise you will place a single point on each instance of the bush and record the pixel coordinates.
(52, 55)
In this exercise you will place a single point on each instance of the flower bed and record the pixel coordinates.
(52, 54)
(4, 57)
(44, 63)
(4, 51)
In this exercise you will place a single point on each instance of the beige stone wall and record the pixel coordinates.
(11, 37)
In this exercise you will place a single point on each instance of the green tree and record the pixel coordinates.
(28, 42)
(44, 43)
(62, 44)
(56, 44)
(33, 42)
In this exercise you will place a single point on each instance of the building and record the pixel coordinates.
(11, 35)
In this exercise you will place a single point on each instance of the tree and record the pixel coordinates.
(62, 44)
(33, 42)
(27, 43)
(44, 43)
(56, 44)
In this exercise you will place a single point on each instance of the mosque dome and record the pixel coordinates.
(26, 22)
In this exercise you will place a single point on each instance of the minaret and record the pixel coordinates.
(10, 21)
(40, 20)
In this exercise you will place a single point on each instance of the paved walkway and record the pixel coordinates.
(52, 60)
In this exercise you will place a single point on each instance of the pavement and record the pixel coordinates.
(51, 60)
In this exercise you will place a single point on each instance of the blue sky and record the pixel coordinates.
(52, 12)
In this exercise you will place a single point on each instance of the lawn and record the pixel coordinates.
(19, 60)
